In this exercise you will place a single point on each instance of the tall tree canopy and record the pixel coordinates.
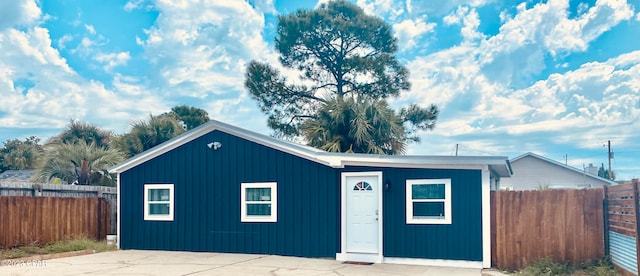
(346, 63)
(605, 173)
(20, 155)
(190, 116)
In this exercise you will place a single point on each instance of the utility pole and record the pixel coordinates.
(610, 156)
(456, 149)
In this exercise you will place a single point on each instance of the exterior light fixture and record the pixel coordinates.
(214, 145)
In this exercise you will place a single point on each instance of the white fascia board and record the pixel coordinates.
(118, 212)
(288, 147)
(335, 160)
(486, 217)
(413, 165)
(159, 149)
(500, 164)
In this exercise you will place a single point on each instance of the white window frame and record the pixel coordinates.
(447, 201)
(274, 202)
(159, 217)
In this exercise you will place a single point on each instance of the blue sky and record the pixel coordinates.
(558, 78)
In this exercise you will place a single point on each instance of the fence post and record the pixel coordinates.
(636, 208)
(100, 219)
(37, 189)
(605, 219)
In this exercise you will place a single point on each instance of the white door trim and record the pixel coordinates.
(486, 217)
(359, 257)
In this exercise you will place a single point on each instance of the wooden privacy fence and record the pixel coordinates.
(61, 190)
(41, 220)
(566, 225)
(622, 220)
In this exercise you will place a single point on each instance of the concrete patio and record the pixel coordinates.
(139, 262)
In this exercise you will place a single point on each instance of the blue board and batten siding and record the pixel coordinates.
(460, 240)
(207, 201)
(207, 204)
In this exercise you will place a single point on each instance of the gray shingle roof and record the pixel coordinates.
(17, 175)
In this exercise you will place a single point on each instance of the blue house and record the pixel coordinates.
(220, 188)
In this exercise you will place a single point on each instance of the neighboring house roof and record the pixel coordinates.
(556, 163)
(17, 175)
(498, 164)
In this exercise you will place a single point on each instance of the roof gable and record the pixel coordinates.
(499, 164)
(563, 166)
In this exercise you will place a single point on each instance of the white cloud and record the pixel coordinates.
(442, 8)
(517, 52)
(593, 100)
(470, 21)
(62, 42)
(85, 47)
(58, 92)
(112, 59)
(409, 31)
(575, 35)
(491, 88)
(18, 13)
(265, 6)
(31, 48)
(132, 5)
(382, 8)
(90, 29)
(320, 2)
(199, 48)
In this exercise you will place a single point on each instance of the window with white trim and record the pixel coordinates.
(259, 202)
(158, 202)
(428, 201)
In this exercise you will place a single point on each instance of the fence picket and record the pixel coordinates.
(622, 216)
(565, 225)
(57, 190)
(41, 220)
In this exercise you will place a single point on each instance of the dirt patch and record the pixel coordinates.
(55, 255)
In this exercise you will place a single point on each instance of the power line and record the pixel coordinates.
(472, 149)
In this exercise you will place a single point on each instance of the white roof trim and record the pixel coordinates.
(554, 162)
(500, 164)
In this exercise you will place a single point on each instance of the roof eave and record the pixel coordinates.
(499, 164)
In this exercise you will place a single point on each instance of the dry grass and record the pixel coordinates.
(68, 245)
(547, 266)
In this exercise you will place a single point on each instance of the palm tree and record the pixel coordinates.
(352, 125)
(79, 163)
(80, 131)
(147, 134)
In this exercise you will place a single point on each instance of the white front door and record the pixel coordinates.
(362, 192)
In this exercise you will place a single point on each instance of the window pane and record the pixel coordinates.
(158, 208)
(427, 191)
(428, 209)
(362, 186)
(258, 209)
(258, 194)
(158, 194)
